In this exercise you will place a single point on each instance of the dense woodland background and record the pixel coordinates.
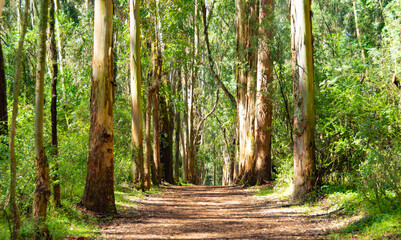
(356, 51)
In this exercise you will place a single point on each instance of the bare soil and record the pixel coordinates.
(202, 212)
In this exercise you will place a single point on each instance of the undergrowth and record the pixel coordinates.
(69, 221)
(353, 216)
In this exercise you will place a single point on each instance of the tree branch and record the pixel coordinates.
(211, 62)
(207, 115)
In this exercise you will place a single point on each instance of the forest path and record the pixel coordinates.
(202, 212)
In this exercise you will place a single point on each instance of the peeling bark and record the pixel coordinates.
(246, 81)
(136, 99)
(99, 189)
(304, 99)
(264, 108)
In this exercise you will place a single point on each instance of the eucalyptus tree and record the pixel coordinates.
(15, 215)
(99, 188)
(54, 66)
(3, 97)
(42, 191)
(136, 89)
(246, 11)
(264, 108)
(3, 90)
(304, 99)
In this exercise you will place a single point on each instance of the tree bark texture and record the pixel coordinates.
(177, 132)
(148, 141)
(136, 89)
(246, 81)
(42, 191)
(99, 189)
(304, 100)
(185, 142)
(157, 71)
(16, 219)
(264, 108)
(3, 97)
(54, 66)
(166, 139)
(190, 129)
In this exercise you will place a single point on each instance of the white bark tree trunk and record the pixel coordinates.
(304, 99)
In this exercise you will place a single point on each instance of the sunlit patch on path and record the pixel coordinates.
(200, 212)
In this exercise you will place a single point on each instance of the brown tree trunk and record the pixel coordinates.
(157, 68)
(3, 98)
(16, 219)
(191, 100)
(190, 131)
(248, 174)
(54, 66)
(186, 130)
(304, 99)
(42, 191)
(2, 2)
(99, 189)
(136, 89)
(246, 80)
(177, 132)
(166, 139)
(264, 94)
(148, 142)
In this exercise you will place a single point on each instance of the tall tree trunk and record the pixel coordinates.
(157, 69)
(186, 135)
(149, 166)
(54, 66)
(136, 89)
(99, 189)
(358, 34)
(13, 160)
(42, 191)
(304, 99)
(3, 97)
(241, 83)
(248, 175)
(190, 130)
(246, 80)
(191, 100)
(264, 106)
(177, 132)
(60, 53)
(148, 142)
(2, 2)
(166, 139)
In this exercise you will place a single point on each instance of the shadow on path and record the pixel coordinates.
(203, 212)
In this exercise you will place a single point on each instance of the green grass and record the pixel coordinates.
(359, 218)
(62, 222)
(124, 196)
(68, 221)
(383, 226)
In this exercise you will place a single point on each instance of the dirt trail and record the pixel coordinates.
(200, 212)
